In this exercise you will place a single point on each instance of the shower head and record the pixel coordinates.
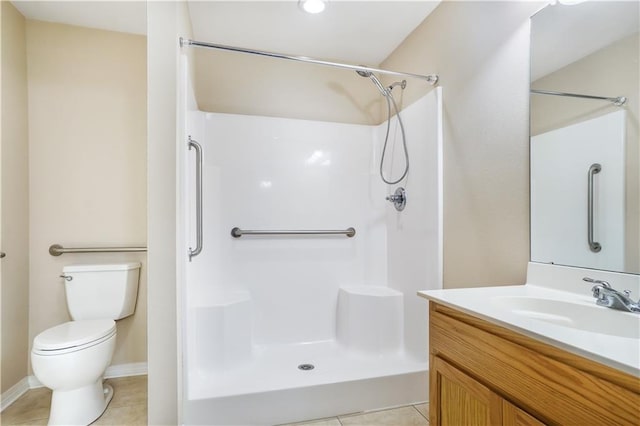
(372, 76)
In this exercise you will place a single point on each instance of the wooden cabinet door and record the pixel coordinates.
(457, 399)
(514, 416)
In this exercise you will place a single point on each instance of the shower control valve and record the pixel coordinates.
(398, 198)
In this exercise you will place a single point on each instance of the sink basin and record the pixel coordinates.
(594, 319)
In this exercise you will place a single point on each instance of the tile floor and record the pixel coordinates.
(411, 415)
(129, 407)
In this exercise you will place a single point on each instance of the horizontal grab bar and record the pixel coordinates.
(57, 249)
(349, 232)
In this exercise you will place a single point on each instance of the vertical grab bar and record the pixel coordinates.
(195, 145)
(593, 245)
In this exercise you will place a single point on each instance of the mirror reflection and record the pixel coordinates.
(585, 180)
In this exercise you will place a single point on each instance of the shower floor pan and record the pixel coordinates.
(272, 389)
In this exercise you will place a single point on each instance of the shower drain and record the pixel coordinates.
(306, 367)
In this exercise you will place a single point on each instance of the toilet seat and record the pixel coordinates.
(73, 336)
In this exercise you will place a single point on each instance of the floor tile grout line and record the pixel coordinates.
(420, 412)
(363, 413)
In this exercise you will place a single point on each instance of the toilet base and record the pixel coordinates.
(80, 406)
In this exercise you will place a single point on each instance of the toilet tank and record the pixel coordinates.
(101, 291)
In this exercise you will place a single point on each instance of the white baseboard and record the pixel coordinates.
(13, 393)
(125, 370)
(32, 382)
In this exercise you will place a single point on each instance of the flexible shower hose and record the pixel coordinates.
(391, 100)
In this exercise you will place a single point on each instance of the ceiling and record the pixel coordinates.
(121, 16)
(359, 32)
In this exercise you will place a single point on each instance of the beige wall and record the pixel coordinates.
(481, 52)
(14, 229)
(87, 149)
(612, 71)
(237, 83)
(166, 22)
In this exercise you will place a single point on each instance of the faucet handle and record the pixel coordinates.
(604, 284)
(598, 293)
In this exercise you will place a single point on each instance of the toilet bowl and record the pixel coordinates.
(71, 359)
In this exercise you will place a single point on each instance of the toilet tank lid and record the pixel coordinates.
(73, 333)
(105, 267)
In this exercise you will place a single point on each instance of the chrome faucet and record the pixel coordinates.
(611, 298)
(399, 199)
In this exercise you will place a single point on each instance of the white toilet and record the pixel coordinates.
(71, 358)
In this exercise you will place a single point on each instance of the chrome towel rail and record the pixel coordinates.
(349, 232)
(57, 249)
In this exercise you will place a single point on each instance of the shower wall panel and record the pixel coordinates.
(273, 174)
(414, 235)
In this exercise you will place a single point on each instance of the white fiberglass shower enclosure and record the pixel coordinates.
(284, 328)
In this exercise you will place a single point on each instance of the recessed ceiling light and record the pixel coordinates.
(312, 6)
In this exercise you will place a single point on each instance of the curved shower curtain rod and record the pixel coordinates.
(617, 101)
(430, 78)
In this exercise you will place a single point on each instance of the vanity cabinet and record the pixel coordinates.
(514, 416)
(465, 401)
(462, 400)
(484, 374)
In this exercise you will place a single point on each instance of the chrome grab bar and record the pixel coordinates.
(57, 249)
(593, 245)
(195, 145)
(349, 232)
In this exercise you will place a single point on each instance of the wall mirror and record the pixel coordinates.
(585, 150)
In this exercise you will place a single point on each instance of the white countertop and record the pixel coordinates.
(621, 353)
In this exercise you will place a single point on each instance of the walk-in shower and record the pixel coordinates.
(302, 302)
